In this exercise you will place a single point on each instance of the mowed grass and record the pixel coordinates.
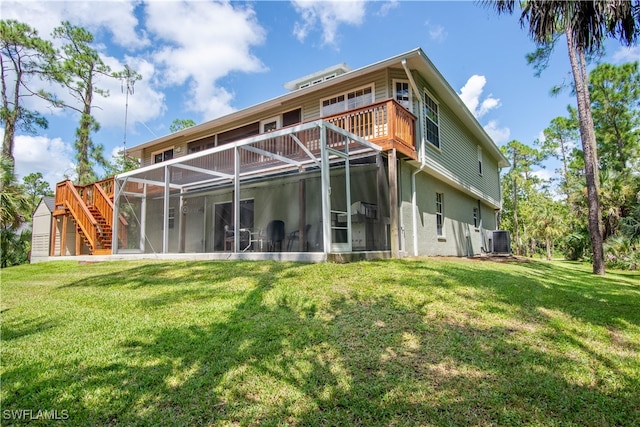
(394, 342)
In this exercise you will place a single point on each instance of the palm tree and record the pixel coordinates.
(586, 24)
(14, 206)
(13, 203)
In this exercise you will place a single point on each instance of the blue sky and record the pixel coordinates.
(200, 60)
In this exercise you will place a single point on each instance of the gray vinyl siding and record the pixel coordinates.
(458, 217)
(458, 151)
(311, 104)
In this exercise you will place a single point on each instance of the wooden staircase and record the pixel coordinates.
(90, 209)
(103, 231)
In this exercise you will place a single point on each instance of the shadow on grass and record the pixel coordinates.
(25, 326)
(359, 360)
(611, 300)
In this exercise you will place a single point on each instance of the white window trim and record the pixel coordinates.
(346, 97)
(435, 101)
(480, 161)
(270, 120)
(393, 83)
(476, 218)
(442, 236)
(153, 153)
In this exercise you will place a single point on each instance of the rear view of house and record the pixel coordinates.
(380, 161)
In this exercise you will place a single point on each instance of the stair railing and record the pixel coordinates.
(70, 198)
(103, 203)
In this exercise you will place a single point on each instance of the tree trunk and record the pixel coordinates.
(85, 172)
(11, 117)
(588, 139)
(516, 227)
(548, 242)
(7, 143)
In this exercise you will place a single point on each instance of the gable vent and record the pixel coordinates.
(318, 77)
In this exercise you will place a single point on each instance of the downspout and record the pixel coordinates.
(414, 208)
(416, 93)
(414, 197)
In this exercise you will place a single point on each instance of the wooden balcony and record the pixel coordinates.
(387, 124)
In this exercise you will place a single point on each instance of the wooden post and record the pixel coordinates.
(63, 236)
(302, 222)
(52, 237)
(381, 213)
(391, 122)
(393, 203)
(78, 241)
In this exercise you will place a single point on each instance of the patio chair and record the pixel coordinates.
(229, 237)
(295, 236)
(275, 234)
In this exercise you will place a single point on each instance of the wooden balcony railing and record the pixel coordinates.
(107, 187)
(385, 123)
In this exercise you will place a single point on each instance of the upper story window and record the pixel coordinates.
(292, 117)
(432, 120)
(479, 160)
(347, 101)
(162, 156)
(201, 144)
(402, 93)
(270, 125)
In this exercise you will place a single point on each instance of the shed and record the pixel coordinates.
(41, 229)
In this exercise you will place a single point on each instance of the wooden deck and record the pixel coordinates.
(387, 124)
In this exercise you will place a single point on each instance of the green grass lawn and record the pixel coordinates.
(395, 342)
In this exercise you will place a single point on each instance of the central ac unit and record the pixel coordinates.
(500, 242)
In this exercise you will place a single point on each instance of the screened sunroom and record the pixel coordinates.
(307, 191)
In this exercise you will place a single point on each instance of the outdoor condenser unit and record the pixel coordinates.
(500, 242)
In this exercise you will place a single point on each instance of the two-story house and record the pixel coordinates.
(380, 161)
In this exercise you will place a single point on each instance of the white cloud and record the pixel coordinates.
(51, 157)
(544, 174)
(627, 54)
(436, 32)
(497, 133)
(329, 14)
(471, 93)
(146, 103)
(217, 41)
(387, 6)
(116, 17)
